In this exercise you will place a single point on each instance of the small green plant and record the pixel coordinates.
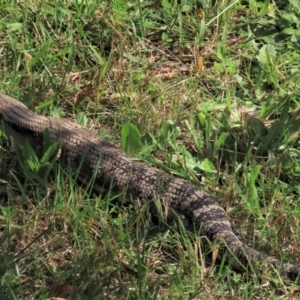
(33, 167)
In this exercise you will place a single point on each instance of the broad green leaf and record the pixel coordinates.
(264, 9)
(291, 31)
(130, 138)
(272, 11)
(201, 118)
(266, 54)
(207, 166)
(186, 8)
(222, 53)
(295, 3)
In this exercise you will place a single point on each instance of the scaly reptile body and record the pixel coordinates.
(113, 165)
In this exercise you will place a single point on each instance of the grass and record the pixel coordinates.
(216, 99)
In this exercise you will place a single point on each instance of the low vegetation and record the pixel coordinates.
(206, 90)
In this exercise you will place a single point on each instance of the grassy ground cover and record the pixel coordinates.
(213, 89)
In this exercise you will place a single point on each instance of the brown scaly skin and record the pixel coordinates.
(111, 164)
